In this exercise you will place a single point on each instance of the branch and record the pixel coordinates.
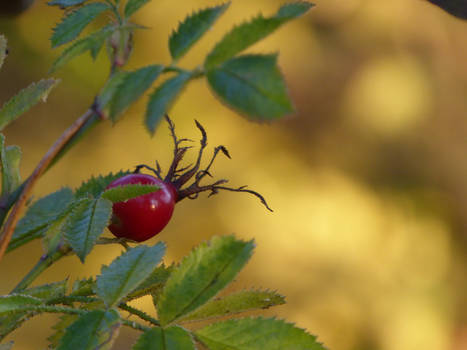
(61, 142)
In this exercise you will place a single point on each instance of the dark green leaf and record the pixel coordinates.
(153, 284)
(17, 302)
(293, 10)
(91, 43)
(192, 29)
(171, 338)
(128, 271)
(96, 185)
(59, 329)
(10, 158)
(65, 3)
(253, 85)
(74, 23)
(162, 98)
(235, 303)
(201, 275)
(132, 86)
(48, 291)
(3, 49)
(256, 333)
(87, 222)
(124, 193)
(94, 330)
(25, 99)
(457, 8)
(133, 5)
(248, 33)
(39, 215)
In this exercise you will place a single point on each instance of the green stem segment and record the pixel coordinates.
(44, 262)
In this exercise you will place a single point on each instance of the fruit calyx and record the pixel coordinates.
(178, 176)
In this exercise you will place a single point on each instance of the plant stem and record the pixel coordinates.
(44, 262)
(139, 313)
(59, 144)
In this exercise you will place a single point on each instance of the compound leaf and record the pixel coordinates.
(131, 87)
(96, 185)
(3, 49)
(17, 302)
(124, 193)
(86, 223)
(74, 23)
(201, 275)
(133, 5)
(256, 333)
(25, 99)
(94, 330)
(248, 33)
(162, 98)
(153, 284)
(192, 29)
(235, 303)
(171, 338)
(91, 43)
(65, 3)
(253, 85)
(128, 271)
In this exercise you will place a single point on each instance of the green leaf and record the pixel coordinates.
(132, 86)
(74, 23)
(162, 99)
(59, 329)
(171, 338)
(40, 215)
(25, 99)
(128, 271)
(193, 28)
(96, 185)
(94, 330)
(54, 233)
(256, 333)
(248, 33)
(7, 346)
(87, 222)
(253, 85)
(65, 3)
(83, 287)
(10, 158)
(110, 88)
(201, 275)
(234, 303)
(133, 5)
(153, 284)
(48, 291)
(124, 193)
(91, 43)
(17, 302)
(3, 49)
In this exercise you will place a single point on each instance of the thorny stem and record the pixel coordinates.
(44, 262)
(31, 181)
(139, 313)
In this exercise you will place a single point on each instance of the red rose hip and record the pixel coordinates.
(145, 216)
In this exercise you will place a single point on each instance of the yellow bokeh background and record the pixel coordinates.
(367, 180)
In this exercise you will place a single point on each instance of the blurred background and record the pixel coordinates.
(367, 180)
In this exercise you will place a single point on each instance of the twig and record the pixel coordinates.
(10, 225)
